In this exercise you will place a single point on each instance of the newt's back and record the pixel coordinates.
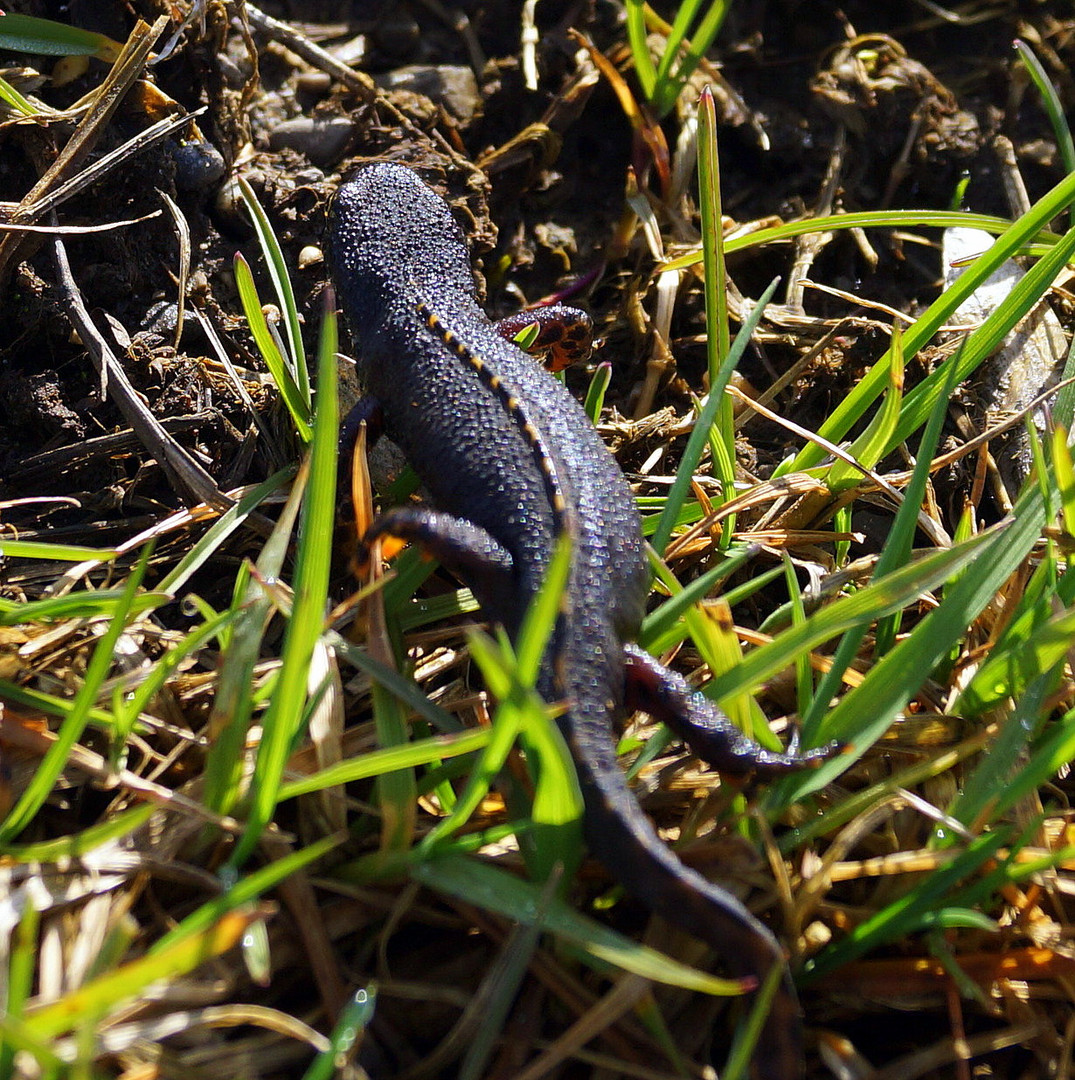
(398, 250)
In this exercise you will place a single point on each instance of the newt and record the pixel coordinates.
(511, 462)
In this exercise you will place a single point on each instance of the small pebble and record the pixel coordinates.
(450, 85)
(198, 166)
(321, 139)
(310, 255)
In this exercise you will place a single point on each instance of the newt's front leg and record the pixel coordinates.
(564, 334)
(462, 547)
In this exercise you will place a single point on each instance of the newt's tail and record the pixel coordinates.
(623, 839)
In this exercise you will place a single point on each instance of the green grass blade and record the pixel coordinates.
(294, 399)
(1053, 753)
(397, 790)
(49, 704)
(37, 549)
(983, 342)
(13, 98)
(866, 219)
(377, 762)
(910, 912)
(399, 685)
(522, 715)
(19, 985)
(896, 553)
(130, 980)
(1051, 103)
(540, 618)
(636, 37)
(985, 794)
(738, 1064)
(716, 273)
(353, 1020)
(863, 715)
(24, 33)
(105, 603)
(281, 280)
(227, 523)
(873, 443)
(500, 987)
(243, 892)
(697, 441)
(17, 1036)
(595, 394)
(666, 84)
(81, 843)
(502, 737)
(721, 435)
(496, 890)
(664, 620)
(686, 12)
(138, 700)
(872, 602)
(1008, 671)
(669, 87)
(233, 704)
(284, 715)
(1064, 466)
(854, 406)
(52, 764)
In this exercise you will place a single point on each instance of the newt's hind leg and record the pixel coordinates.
(461, 546)
(710, 734)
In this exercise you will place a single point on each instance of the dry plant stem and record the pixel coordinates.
(67, 457)
(784, 320)
(923, 1062)
(312, 53)
(129, 66)
(574, 995)
(927, 524)
(528, 45)
(832, 448)
(454, 1045)
(277, 455)
(13, 733)
(627, 992)
(984, 437)
(809, 246)
(357, 81)
(182, 229)
(901, 168)
(77, 230)
(875, 305)
(748, 412)
(893, 482)
(125, 1036)
(457, 20)
(1014, 187)
(183, 472)
(181, 519)
(297, 893)
(105, 164)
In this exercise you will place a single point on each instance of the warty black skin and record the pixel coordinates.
(399, 257)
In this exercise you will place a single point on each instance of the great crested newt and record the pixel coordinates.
(511, 462)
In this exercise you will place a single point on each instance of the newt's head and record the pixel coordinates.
(392, 237)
